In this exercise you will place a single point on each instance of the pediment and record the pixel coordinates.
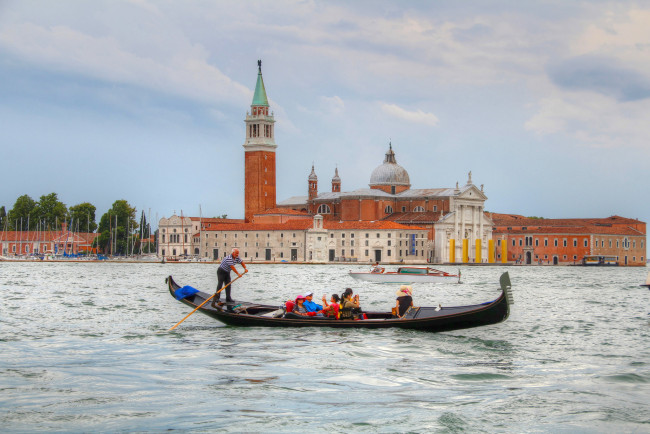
(471, 192)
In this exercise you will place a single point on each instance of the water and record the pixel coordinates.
(85, 347)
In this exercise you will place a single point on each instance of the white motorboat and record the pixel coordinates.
(407, 275)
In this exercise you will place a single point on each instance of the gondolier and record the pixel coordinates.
(223, 275)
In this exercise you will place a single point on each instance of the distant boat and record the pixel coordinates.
(600, 261)
(407, 275)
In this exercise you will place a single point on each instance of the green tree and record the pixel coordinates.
(3, 217)
(84, 213)
(116, 228)
(23, 209)
(50, 211)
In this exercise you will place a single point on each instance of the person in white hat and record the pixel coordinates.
(404, 300)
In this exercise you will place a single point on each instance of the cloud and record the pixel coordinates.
(593, 120)
(419, 116)
(334, 104)
(183, 73)
(604, 75)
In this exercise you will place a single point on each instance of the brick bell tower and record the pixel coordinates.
(259, 153)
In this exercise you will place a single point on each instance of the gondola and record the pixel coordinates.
(433, 319)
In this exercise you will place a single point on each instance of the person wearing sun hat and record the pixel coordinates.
(404, 300)
(299, 308)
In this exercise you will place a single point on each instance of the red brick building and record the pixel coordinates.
(528, 240)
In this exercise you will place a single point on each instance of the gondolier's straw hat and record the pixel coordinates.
(404, 290)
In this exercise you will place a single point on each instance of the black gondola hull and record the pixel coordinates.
(426, 319)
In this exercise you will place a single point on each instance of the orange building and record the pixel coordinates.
(567, 241)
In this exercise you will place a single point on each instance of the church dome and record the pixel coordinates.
(390, 173)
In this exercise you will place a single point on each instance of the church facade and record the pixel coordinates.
(458, 230)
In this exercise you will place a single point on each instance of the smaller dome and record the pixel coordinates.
(336, 177)
(312, 175)
(390, 173)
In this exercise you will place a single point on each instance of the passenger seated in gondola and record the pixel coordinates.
(331, 310)
(310, 305)
(404, 300)
(376, 268)
(300, 308)
(348, 303)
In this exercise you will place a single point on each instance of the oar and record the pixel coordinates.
(208, 299)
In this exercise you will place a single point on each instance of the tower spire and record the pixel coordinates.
(259, 97)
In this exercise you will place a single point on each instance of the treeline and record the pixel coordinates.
(46, 214)
(119, 231)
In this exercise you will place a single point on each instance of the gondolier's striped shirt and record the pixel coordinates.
(229, 261)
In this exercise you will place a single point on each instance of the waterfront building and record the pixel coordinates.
(528, 240)
(23, 243)
(315, 240)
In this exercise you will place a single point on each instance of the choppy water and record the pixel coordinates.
(84, 347)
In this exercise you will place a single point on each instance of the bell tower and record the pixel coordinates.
(312, 182)
(259, 150)
(336, 182)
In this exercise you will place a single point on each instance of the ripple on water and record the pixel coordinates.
(97, 355)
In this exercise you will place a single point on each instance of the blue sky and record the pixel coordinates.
(547, 103)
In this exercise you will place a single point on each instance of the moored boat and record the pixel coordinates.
(407, 275)
(433, 319)
(599, 261)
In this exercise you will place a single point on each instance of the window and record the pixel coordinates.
(324, 209)
(388, 252)
(352, 243)
(366, 243)
(351, 235)
(366, 252)
(435, 208)
(564, 243)
(342, 235)
(418, 209)
(403, 209)
(352, 252)
(585, 243)
(514, 243)
(331, 235)
(367, 235)
(343, 243)
(388, 209)
(555, 243)
(545, 242)
(388, 242)
(377, 235)
(575, 243)
(536, 243)
(343, 252)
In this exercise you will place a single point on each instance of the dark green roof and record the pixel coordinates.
(259, 98)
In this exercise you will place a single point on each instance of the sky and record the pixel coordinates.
(547, 103)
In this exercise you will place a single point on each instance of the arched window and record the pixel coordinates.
(388, 209)
(418, 209)
(324, 209)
